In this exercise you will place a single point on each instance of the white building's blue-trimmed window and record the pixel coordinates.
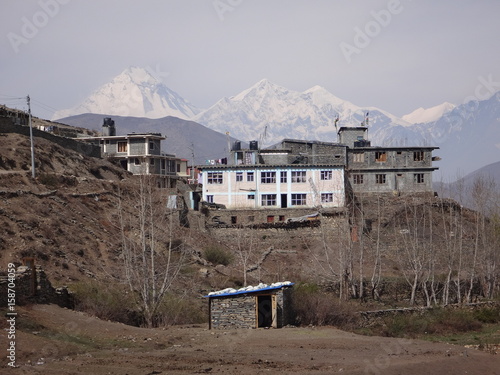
(299, 199)
(326, 197)
(298, 176)
(283, 177)
(250, 176)
(326, 175)
(210, 198)
(268, 177)
(251, 196)
(239, 176)
(214, 178)
(268, 199)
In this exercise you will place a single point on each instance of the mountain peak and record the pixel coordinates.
(134, 92)
(424, 115)
(261, 88)
(138, 75)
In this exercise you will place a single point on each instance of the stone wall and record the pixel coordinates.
(233, 312)
(87, 149)
(33, 286)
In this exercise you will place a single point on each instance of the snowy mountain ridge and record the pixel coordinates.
(421, 115)
(134, 92)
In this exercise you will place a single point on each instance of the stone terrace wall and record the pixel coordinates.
(34, 287)
(87, 149)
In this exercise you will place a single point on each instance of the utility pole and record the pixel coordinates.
(33, 174)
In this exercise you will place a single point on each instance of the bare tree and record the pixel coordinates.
(151, 262)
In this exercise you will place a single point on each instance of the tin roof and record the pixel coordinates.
(249, 289)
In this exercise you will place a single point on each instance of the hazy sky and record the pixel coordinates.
(395, 55)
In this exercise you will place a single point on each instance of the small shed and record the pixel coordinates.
(266, 306)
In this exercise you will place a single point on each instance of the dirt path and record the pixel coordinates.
(51, 340)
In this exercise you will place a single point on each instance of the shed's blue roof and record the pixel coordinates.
(251, 289)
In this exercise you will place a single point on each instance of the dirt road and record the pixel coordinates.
(51, 340)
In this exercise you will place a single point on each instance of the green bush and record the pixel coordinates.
(105, 300)
(315, 307)
(180, 310)
(435, 321)
(488, 315)
(217, 255)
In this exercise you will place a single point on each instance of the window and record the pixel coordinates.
(326, 175)
(239, 176)
(380, 156)
(214, 178)
(418, 178)
(251, 196)
(152, 162)
(418, 156)
(268, 177)
(357, 179)
(151, 145)
(137, 161)
(358, 157)
(234, 219)
(270, 219)
(380, 178)
(269, 199)
(122, 146)
(283, 178)
(298, 199)
(281, 217)
(210, 198)
(249, 176)
(326, 197)
(298, 176)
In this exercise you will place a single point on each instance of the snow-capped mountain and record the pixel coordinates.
(135, 92)
(269, 113)
(422, 115)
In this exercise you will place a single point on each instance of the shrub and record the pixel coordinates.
(217, 255)
(104, 300)
(49, 180)
(180, 310)
(435, 321)
(315, 307)
(488, 315)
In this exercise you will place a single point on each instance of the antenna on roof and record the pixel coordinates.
(366, 120)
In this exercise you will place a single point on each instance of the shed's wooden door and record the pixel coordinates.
(274, 306)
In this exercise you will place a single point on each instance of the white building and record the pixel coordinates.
(252, 184)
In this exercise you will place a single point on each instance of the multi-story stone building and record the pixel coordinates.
(372, 169)
(139, 153)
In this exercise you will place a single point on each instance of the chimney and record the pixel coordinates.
(108, 127)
